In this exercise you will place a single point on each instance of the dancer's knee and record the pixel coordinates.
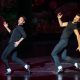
(53, 54)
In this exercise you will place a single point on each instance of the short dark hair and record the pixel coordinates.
(78, 14)
(24, 18)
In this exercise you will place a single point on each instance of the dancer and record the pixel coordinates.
(17, 36)
(70, 27)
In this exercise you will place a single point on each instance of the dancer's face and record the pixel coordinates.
(76, 18)
(21, 21)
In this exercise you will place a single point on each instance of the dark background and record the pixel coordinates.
(42, 28)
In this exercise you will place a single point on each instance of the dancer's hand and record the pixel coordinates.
(5, 24)
(16, 44)
(59, 15)
(78, 48)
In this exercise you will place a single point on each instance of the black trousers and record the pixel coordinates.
(10, 49)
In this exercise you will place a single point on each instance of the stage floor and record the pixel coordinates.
(42, 68)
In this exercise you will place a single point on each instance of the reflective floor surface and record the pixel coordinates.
(42, 68)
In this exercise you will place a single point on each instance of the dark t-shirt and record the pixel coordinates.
(17, 33)
(68, 30)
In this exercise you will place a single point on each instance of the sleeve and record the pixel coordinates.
(21, 30)
(75, 26)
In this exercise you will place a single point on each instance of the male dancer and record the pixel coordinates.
(70, 27)
(17, 36)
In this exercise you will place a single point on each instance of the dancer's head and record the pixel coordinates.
(21, 20)
(76, 18)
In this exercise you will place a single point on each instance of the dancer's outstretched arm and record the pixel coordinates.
(6, 26)
(62, 24)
